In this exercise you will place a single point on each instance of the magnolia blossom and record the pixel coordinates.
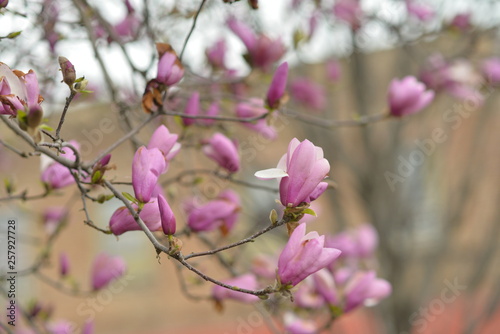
(53, 216)
(262, 50)
(308, 93)
(491, 70)
(216, 54)
(147, 166)
(461, 21)
(408, 96)
(20, 91)
(254, 108)
(122, 220)
(420, 11)
(358, 243)
(170, 69)
(277, 88)
(166, 142)
(167, 216)
(223, 151)
(303, 255)
(63, 264)
(105, 269)
(222, 212)
(301, 170)
(192, 109)
(349, 11)
(247, 281)
(55, 175)
(364, 288)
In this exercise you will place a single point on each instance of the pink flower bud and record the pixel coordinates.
(53, 216)
(277, 88)
(244, 32)
(308, 93)
(216, 54)
(255, 108)
(170, 69)
(223, 151)
(364, 288)
(491, 70)
(192, 109)
(166, 215)
(63, 264)
(420, 11)
(358, 243)
(55, 175)
(122, 221)
(166, 142)
(461, 21)
(218, 213)
(247, 281)
(68, 71)
(106, 269)
(213, 110)
(4, 3)
(349, 11)
(408, 96)
(303, 255)
(147, 166)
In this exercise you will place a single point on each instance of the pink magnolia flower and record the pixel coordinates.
(301, 170)
(53, 216)
(223, 151)
(491, 70)
(216, 54)
(262, 50)
(420, 11)
(147, 166)
(408, 96)
(122, 220)
(364, 288)
(308, 93)
(306, 295)
(296, 325)
(461, 21)
(170, 69)
(212, 110)
(254, 108)
(166, 142)
(192, 108)
(303, 255)
(55, 175)
(222, 212)
(167, 216)
(276, 90)
(247, 281)
(324, 285)
(105, 269)
(349, 11)
(264, 266)
(63, 264)
(358, 243)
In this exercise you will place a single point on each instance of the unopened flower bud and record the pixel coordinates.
(4, 3)
(68, 71)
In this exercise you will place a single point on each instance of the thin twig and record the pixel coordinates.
(192, 28)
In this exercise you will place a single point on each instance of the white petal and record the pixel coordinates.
(16, 86)
(271, 173)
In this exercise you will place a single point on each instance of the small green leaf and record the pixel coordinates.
(273, 217)
(46, 127)
(309, 212)
(14, 34)
(197, 180)
(96, 177)
(129, 197)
